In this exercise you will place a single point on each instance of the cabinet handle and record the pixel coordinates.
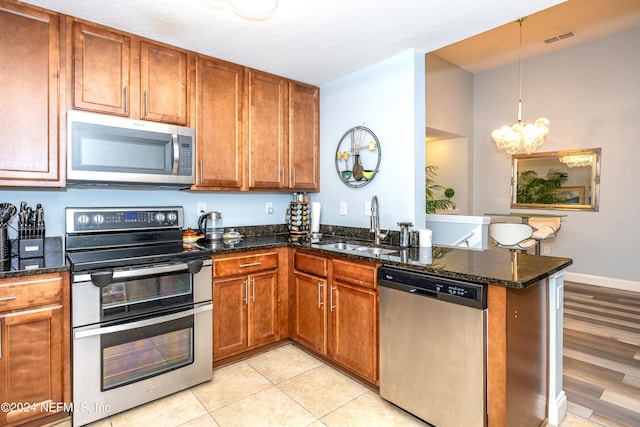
(331, 306)
(282, 176)
(126, 99)
(200, 171)
(0, 338)
(251, 264)
(320, 285)
(253, 289)
(146, 102)
(246, 292)
(294, 177)
(9, 298)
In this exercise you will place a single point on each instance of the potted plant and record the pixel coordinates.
(433, 205)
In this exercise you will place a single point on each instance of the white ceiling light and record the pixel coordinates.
(249, 9)
(521, 136)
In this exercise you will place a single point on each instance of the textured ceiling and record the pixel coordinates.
(313, 41)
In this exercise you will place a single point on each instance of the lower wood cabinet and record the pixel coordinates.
(335, 311)
(34, 347)
(245, 301)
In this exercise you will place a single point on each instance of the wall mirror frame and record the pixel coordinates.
(562, 180)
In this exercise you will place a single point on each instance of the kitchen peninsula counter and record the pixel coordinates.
(494, 266)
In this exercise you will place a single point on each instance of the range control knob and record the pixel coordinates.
(83, 219)
(98, 219)
(171, 217)
(159, 216)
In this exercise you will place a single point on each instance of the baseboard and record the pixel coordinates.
(607, 282)
(557, 409)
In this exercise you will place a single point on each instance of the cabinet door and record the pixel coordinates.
(31, 370)
(263, 309)
(309, 311)
(219, 109)
(354, 329)
(266, 131)
(29, 104)
(101, 70)
(163, 84)
(229, 316)
(304, 137)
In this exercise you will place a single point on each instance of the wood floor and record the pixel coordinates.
(602, 354)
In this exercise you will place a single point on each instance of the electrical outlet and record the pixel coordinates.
(202, 208)
(546, 250)
(268, 208)
(367, 207)
(343, 208)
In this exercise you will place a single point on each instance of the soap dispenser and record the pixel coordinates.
(405, 234)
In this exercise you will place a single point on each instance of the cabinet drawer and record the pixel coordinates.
(19, 294)
(230, 266)
(355, 273)
(311, 264)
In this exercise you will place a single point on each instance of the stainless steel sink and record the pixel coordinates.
(356, 248)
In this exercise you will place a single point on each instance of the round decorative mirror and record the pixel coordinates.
(358, 157)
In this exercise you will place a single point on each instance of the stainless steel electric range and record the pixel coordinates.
(141, 308)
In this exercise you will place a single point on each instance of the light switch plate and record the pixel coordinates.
(343, 208)
(367, 207)
(202, 208)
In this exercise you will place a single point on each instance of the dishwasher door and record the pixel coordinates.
(433, 356)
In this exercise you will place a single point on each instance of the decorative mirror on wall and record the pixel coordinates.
(567, 180)
(358, 157)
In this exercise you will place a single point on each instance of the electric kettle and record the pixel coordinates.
(210, 224)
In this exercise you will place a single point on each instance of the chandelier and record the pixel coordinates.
(521, 136)
(577, 160)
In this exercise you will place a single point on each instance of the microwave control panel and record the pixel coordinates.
(185, 163)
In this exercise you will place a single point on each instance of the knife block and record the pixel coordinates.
(31, 241)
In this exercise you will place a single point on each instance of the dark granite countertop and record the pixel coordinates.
(53, 261)
(493, 266)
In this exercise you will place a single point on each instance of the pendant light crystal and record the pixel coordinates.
(521, 136)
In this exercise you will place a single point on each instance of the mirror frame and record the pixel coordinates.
(592, 195)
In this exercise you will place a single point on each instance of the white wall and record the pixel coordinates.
(388, 98)
(591, 95)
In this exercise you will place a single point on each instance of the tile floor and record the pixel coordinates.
(283, 387)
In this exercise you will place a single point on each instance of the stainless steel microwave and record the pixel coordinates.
(104, 149)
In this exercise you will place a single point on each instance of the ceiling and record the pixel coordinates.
(587, 19)
(312, 41)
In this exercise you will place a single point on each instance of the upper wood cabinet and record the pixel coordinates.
(283, 134)
(266, 137)
(116, 73)
(219, 101)
(29, 104)
(304, 137)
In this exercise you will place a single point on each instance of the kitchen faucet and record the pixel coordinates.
(375, 221)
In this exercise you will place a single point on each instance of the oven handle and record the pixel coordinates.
(205, 306)
(192, 267)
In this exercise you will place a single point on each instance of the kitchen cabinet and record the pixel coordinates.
(34, 347)
(354, 317)
(219, 104)
(335, 311)
(304, 137)
(116, 73)
(283, 133)
(245, 300)
(266, 134)
(30, 101)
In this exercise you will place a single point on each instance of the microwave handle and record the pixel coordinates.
(176, 154)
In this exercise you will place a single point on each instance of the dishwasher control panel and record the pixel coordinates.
(423, 284)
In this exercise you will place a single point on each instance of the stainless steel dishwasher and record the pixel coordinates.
(433, 347)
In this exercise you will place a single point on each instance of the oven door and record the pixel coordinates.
(136, 292)
(122, 365)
